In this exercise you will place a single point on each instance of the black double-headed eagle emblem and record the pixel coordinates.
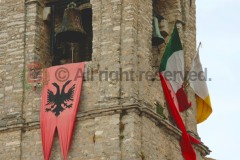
(60, 100)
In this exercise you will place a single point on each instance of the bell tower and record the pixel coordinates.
(122, 113)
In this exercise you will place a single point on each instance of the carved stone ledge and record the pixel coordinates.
(136, 108)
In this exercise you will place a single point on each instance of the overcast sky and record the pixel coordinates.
(218, 28)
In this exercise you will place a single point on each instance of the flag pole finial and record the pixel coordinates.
(199, 45)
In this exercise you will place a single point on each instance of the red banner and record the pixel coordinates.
(186, 140)
(60, 100)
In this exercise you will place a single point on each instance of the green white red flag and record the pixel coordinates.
(173, 61)
(186, 139)
(172, 68)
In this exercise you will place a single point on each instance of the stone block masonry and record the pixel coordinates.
(116, 120)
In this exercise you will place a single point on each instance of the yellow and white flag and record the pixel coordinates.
(199, 85)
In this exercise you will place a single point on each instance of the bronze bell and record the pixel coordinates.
(157, 38)
(71, 29)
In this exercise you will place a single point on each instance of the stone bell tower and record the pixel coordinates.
(118, 116)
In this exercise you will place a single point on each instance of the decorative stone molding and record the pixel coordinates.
(141, 111)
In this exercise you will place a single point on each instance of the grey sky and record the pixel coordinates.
(218, 28)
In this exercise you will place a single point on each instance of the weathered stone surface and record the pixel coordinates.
(117, 119)
(10, 143)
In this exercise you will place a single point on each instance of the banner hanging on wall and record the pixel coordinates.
(60, 99)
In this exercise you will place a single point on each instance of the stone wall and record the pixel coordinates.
(117, 119)
(129, 134)
(12, 59)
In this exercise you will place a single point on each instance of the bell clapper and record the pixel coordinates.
(71, 30)
(72, 51)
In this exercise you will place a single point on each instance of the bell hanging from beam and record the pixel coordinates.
(157, 38)
(71, 29)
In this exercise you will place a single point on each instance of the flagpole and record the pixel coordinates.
(72, 51)
(199, 45)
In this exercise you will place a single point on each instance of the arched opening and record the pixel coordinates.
(74, 18)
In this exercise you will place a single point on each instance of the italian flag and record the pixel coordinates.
(172, 68)
(186, 139)
(175, 96)
(204, 108)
